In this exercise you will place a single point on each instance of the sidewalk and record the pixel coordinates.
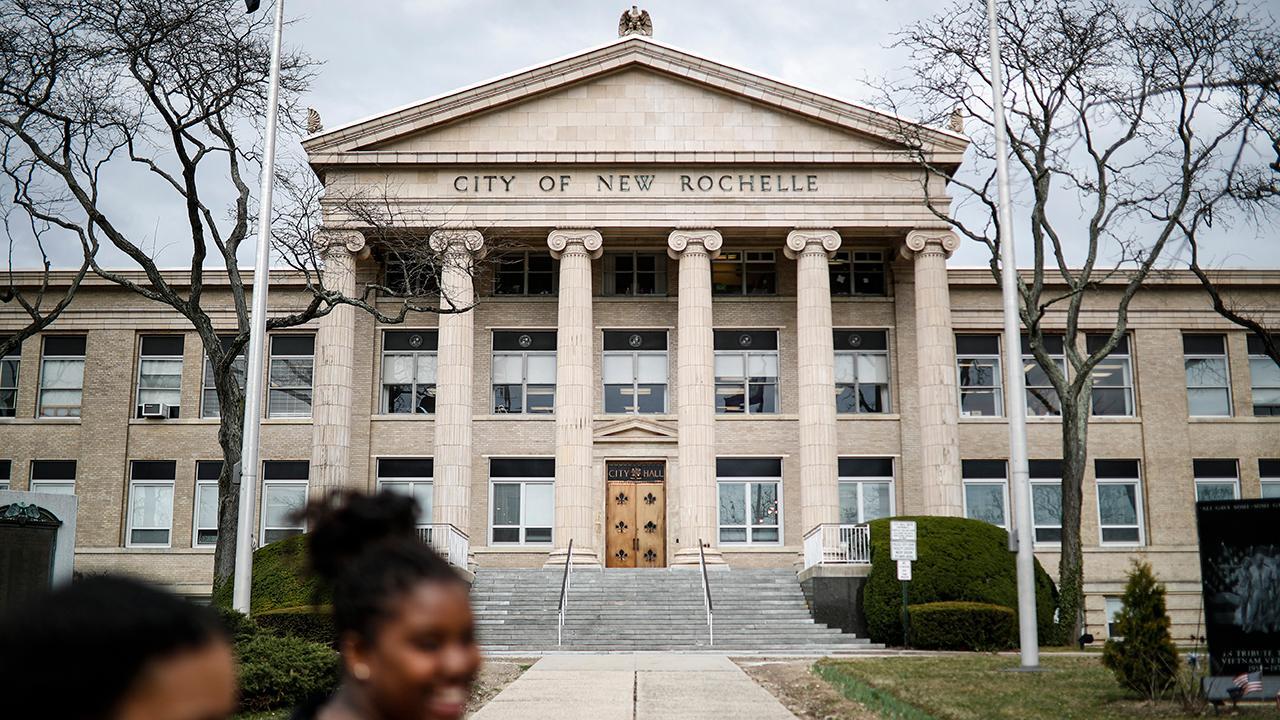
(634, 687)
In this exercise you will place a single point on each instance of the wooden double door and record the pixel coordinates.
(636, 524)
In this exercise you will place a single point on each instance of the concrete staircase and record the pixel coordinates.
(628, 610)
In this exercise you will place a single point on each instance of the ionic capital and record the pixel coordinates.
(352, 241)
(798, 240)
(920, 241)
(561, 238)
(457, 240)
(680, 240)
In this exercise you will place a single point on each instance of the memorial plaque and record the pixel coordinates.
(1240, 575)
(27, 542)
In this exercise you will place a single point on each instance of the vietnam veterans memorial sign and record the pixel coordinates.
(1240, 574)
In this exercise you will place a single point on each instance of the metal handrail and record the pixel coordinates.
(564, 593)
(706, 596)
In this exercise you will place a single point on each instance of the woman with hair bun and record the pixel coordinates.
(402, 615)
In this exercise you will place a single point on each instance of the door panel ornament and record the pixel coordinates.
(650, 499)
(622, 498)
(621, 526)
(621, 554)
(651, 526)
(650, 555)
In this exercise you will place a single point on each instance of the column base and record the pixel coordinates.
(582, 558)
(687, 559)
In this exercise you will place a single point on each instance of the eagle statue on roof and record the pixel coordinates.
(635, 22)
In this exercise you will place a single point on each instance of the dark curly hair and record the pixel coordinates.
(365, 550)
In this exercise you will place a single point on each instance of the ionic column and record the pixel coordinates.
(695, 397)
(819, 488)
(454, 371)
(575, 392)
(936, 372)
(332, 399)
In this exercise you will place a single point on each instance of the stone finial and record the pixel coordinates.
(313, 121)
(956, 122)
(635, 22)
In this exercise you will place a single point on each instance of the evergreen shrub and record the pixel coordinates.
(963, 626)
(280, 578)
(1144, 660)
(314, 623)
(281, 672)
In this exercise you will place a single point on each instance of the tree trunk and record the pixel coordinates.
(1075, 425)
(230, 437)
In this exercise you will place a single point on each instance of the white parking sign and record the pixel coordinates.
(902, 541)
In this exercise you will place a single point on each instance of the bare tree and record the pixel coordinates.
(1125, 123)
(37, 293)
(91, 88)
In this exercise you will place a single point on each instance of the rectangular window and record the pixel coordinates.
(284, 496)
(1114, 606)
(205, 521)
(409, 371)
(411, 477)
(745, 272)
(292, 366)
(210, 406)
(1112, 378)
(750, 500)
(151, 502)
(6, 471)
(1208, 381)
(1119, 502)
(635, 371)
(524, 371)
(866, 489)
(410, 278)
(858, 272)
(862, 371)
(978, 364)
(1042, 398)
(1216, 479)
(160, 375)
(746, 371)
(986, 491)
(62, 376)
(1046, 500)
(1269, 472)
(525, 273)
(522, 500)
(1264, 377)
(53, 476)
(9, 365)
(635, 274)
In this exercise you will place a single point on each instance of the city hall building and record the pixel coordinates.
(720, 315)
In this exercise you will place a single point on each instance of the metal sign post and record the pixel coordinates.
(902, 548)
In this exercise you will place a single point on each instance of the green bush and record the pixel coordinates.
(1145, 660)
(963, 626)
(307, 623)
(959, 559)
(280, 578)
(280, 672)
(239, 626)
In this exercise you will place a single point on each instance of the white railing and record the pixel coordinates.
(832, 544)
(706, 596)
(564, 594)
(448, 541)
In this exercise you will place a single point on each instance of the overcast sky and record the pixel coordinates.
(382, 54)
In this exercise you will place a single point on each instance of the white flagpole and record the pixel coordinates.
(253, 390)
(1015, 396)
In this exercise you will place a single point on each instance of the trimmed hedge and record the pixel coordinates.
(963, 626)
(959, 559)
(280, 578)
(313, 623)
(280, 672)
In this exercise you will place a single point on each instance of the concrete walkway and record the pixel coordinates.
(586, 686)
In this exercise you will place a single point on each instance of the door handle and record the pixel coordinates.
(635, 543)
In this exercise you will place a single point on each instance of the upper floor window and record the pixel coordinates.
(204, 526)
(746, 371)
(862, 371)
(1269, 473)
(1264, 376)
(53, 476)
(6, 470)
(635, 274)
(745, 272)
(284, 495)
(1119, 502)
(524, 371)
(409, 371)
(985, 491)
(635, 371)
(292, 366)
(858, 272)
(1112, 377)
(160, 376)
(978, 364)
(525, 273)
(9, 365)
(1216, 479)
(1046, 500)
(62, 376)
(866, 489)
(1042, 398)
(750, 509)
(1208, 381)
(405, 278)
(210, 405)
(411, 477)
(523, 500)
(151, 502)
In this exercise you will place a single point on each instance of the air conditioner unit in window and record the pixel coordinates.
(155, 410)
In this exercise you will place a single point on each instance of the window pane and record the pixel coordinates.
(1264, 372)
(541, 399)
(730, 399)
(848, 503)
(844, 367)
(731, 535)
(508, 399)
(291, 372)
(506, 504)
(1046, 504)
(979, 373)
(63, 374)
(873, 398)
(151, 506)
(506, 535)
(985, 501)
(618, 368)
(764, 534)
(542, 369)
(427, 363)
(764, 504)
(537, 535)
(1111, 373)
(206, 506)
(764, 398)
(1271, 489)
(397, 369)
(653, 369)
(540, 505)
(1206, 372)
(651, 398)
(873, 369)
(424, 493)
(733, 511)
(846, 399)
(426, 398)
(730, 366)
(1111, 401)
(280, 502)
(1120, 534)
(979, 402)
(289, 403)
(1118, 504)
(508, 369)
(9, 373)
(160, 374)
(619, 399)
(1208, 401)
(1215, 491)
(762, 366)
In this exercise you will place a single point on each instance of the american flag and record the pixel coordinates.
(1249, 682)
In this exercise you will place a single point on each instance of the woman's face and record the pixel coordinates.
(424, 659)
(195, 684)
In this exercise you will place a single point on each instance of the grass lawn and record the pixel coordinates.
(978, 687)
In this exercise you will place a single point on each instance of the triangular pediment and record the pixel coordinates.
(632, 95)
(635, 430)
